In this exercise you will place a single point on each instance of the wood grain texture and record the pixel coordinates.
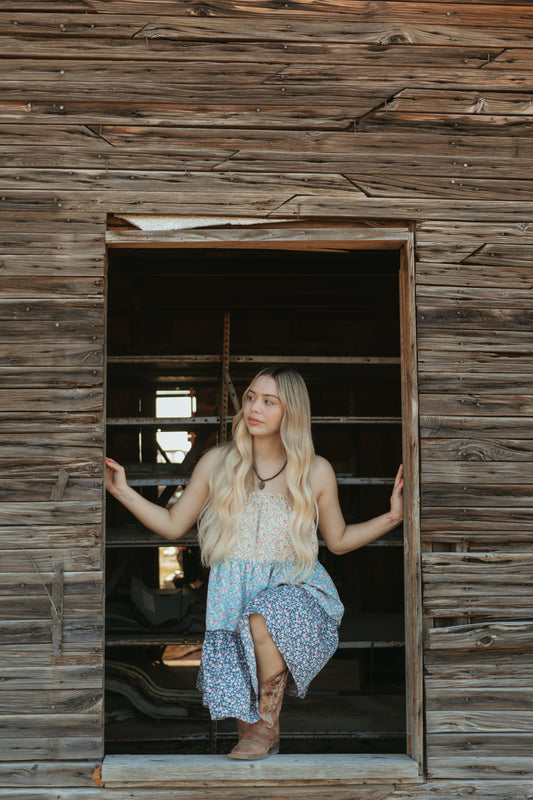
(315, 112)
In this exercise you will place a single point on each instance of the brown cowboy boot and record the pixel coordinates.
(242, 727)
(262, 738)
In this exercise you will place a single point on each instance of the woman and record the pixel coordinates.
(272, 610)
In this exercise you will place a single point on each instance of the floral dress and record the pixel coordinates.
(255, 578)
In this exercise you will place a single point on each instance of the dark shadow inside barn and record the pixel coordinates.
(187, 329)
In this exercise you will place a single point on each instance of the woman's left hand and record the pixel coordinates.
(396, 500)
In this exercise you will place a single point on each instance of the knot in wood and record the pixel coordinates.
(486, 640)
(201, 11)
(397, 38)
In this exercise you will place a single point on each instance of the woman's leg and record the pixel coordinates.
(258, 739)
(268, 658)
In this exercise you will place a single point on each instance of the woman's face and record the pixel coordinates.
(262, 407)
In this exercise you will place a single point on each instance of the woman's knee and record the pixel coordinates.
(259, 629)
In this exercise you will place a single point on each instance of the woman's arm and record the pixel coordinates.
(339, 537)
(170, 523)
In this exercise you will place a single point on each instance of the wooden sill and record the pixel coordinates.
(181, 771)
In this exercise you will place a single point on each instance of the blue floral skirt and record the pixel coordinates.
(304, 634)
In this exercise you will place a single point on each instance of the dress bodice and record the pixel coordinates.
(263, 557)
(264, 530)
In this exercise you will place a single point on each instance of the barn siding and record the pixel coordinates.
(301, 110)
(51, 378)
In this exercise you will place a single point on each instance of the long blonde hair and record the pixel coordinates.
(233, 477)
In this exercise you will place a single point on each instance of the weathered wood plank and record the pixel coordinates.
(51, 400)
(40, 489)
(477, 449)
(436, 101)
(51, 156)
(50, 287)
(245, 115)
(350, 163)
(71, 440)
(268, 791)
(478, 608)
(405, 23)
(38, 608)
(466, 124)
(480, 496)
(475, 311)
(52, 677)
(487, 745)
(59, 747)
(75, 559)
(464, 383)
(481, 667)
(479, 762)
(471, 340)
(51, 702)
(493, 635)
(150, 181)
(338, 76)
(105, 45)
(19, 377)
(401, 208)
(504, 519)
(450, 790)
(69, 238)
(39, 632)
(53, 310)
(293, 145)
(266, 236)
(54, 536)
(501, 255)
(478, 699)
(432, 362)
(79, 654)
(485, 605)
(253, 204)
(58, 355)
(458, 564)
(30, 582)
(508, 472)
(160, 770)
(495, 427)
(48, 773)
(483, 404)
(516, 272)
(461, 187)
(479, 721)
(47, 264)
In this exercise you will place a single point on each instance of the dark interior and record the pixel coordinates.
(335, 317)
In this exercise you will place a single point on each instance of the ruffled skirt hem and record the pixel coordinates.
(304, 634)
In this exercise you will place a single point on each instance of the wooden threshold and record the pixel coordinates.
(179, 771)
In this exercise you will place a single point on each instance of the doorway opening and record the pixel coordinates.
(196, 325)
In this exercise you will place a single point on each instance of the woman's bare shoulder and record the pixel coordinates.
(209, 461)
(322, 475)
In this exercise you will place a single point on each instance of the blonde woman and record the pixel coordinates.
(272, 610)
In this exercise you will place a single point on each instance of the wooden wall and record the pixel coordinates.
(339, 109)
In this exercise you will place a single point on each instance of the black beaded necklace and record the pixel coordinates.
(263, 481)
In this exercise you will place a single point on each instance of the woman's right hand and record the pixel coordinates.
(115, 478)
(173, 522)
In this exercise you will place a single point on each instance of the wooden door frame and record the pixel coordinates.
(315, 236)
